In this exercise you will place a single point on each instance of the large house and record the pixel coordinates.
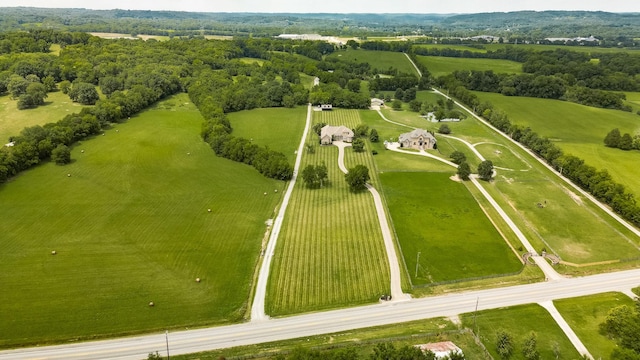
(329, 134)
(417, 139)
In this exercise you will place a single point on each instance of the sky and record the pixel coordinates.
(338, 6)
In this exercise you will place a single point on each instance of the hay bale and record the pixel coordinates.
(82, 151)
(265, 194)
(68, 175)
(197, 280)
(151, 303)
(53, 252)
(208, 210)
(276, 190)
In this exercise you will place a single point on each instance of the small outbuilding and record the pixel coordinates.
(329, 134)
(325, 107)
(417, 139)
(441, 349)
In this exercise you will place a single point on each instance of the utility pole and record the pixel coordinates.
(417, 264)
(166, 336)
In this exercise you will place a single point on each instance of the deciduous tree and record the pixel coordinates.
(464, 171)
(485, 170)
(357, 178)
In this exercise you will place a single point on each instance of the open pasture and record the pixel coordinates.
(278, 128)
(330, 252)
(56, 106)
(633, 100)
(503, 157)
(381, 60)
(585, 314)
(519, 322)
(129, 222)
(578, 130)
(439, 219)
(439, 65)
(599, 238)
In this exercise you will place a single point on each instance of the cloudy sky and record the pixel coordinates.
(338, 6)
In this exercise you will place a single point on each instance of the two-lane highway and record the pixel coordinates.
(190, 341)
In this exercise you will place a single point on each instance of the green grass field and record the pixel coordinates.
(518, 322)
(578, 130)
(130, 226)
(633, 100)
(12, 121)
(438, 65)
(598, 239)
(278, 128)
(381, 60)
(585, 314)
(330, 252)
(440, 219)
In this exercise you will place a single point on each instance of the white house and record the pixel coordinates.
(440, 349)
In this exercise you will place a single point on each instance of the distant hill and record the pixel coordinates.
(523, 23)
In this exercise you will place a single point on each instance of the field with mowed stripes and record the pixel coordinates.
(330, 252)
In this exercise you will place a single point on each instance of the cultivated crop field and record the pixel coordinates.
(518, 322)
(585, 314)
(278, 128)
(439, 65)
(130, 225)
(578, 130)
(440, 219)
(12, 121)
(381, 60)
(330, 252)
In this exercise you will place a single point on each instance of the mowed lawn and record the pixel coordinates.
(579, 130)
(518, 322)
(585, 314)
(523, 183)
(381, 60)
(278, 128)
(330, 252)
(440, 65)
(12, 121)
(130, 225)
(440, 219)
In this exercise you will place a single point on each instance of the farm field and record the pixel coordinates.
(381, 60)
(439, 65)
(330, 252)
(440, 219)
(633, 100)
(362, 340)
(12, 121)
(585, 314)
(277, 128)
(578, 130)
(550, 227)
(519, 322)
(130, 225)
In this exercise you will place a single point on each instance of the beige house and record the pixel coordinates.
(329, 134)
(417, 139)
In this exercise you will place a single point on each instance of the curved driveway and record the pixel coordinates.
(394, 266)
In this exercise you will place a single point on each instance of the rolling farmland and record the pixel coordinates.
(130, 225)
(381, 60)
(330, 252)
(439, 65)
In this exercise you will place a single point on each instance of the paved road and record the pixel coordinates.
(562, 323)
(394, 265)
(257, 307)
(190, 341)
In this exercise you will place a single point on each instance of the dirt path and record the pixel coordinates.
(394, 265)
(257, 307)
